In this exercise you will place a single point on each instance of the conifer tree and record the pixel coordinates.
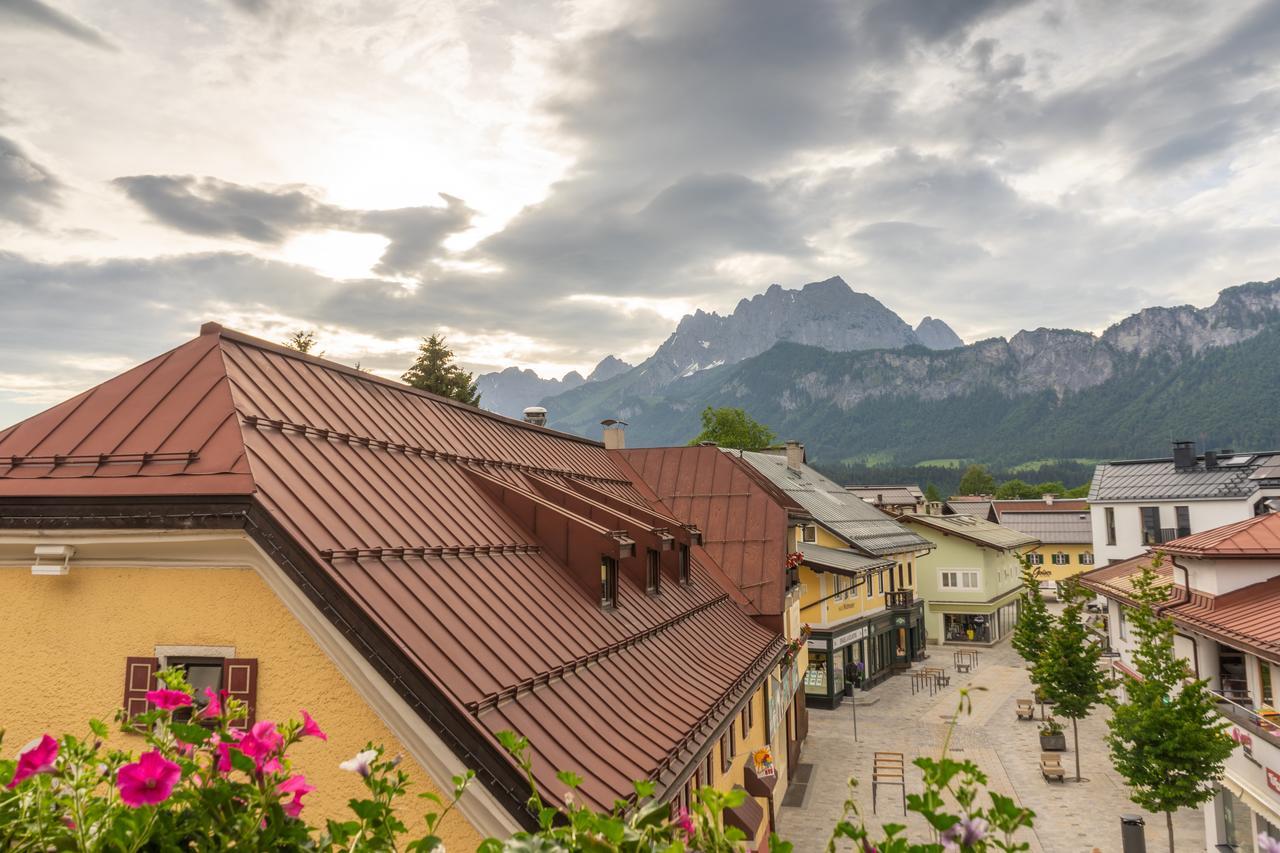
(931, 494)
(1166, 738)
(304, 341)
(1067, 671)
(1035, 622)
(433, 370)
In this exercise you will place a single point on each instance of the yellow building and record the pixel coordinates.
(1063, 528)
(411, 571)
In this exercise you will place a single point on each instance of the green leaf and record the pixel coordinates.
(188, 733)
(569, 778)
(99, 728)
(645, 788)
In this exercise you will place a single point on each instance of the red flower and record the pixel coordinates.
(38, 759)
(167, 700)
(148, 781)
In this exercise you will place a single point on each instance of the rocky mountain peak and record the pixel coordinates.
(935, 334)
(608, 368)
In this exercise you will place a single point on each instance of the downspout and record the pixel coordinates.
(1161, 608)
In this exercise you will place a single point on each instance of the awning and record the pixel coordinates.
(1254, 803)
(746, 817)
(842, 561)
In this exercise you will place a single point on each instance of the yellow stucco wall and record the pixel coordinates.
(77, 630)
(725, 780)
(1073, 567)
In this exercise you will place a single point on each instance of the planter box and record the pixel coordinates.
(1053, 743)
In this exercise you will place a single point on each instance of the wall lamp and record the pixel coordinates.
(53, 553)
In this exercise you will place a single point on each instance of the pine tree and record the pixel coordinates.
(931, 494)
(1067, 671)
(304, 341)
(433, 370)
(1166, 738)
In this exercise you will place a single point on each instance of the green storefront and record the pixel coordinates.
(862, 652)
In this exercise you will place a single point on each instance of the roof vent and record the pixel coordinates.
(1184, 455)
(535, 415)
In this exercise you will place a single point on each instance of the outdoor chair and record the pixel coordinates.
(1051, 767)
(1026, 709)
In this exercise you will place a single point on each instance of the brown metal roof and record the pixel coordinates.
(1038, 505)
(742, 518)
(1258, 536)
(1116, 580)
(471, 541)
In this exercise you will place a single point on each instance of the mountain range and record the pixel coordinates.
(867, 388)
(509, 392)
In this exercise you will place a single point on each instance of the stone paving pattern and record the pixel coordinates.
(1070, 817)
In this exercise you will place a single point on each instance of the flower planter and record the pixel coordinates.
(1053, 743)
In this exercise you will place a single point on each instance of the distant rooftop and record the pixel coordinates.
(1236, 475)
(889, 495)
(1052, 528)
(977, 530)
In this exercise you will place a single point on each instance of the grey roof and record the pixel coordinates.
(977, 529)
(844, 514)
(840, 559)
(1158, 479)
(1052, 528)
(888, 495)
(978, 509)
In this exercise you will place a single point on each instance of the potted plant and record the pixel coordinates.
(1052, 737)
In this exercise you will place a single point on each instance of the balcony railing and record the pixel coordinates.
(1159, 536)
(1265, 726)
(899, 599)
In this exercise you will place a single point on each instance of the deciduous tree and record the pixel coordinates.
(729, 427)
(1035, 622)
(1067, 671)
(977, 481)
(1166, 737)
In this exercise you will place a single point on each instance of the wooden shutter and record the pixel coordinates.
(240, 680)
(139, 677)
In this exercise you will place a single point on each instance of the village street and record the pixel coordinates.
(1070, 817)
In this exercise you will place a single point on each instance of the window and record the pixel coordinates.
(744, 719)
(608, 581)
(726, 755)
(901, 569)
(1035, 558)
(809, 533)
(880, 580)
(202, 674)
(711, 754)
(955, 579)
(1122, 623)
(844, 587)
(237, 677)
(1183, 514)
(1110, 515)
(684, 563)
(1061, 559)
(653, 572)
(910, 579)
(1086, 558)
(1150, 516)
(870, 584)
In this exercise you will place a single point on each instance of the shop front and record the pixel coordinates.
(861, 653)
(982, 624)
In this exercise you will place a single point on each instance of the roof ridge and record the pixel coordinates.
(280, 349)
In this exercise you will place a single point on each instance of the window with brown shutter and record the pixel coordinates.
(711, 773)
(240, 680)
(746, 725)
(139, 677)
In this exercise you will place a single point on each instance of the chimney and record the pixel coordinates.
(933, 508)
(1210, 459)
(615, 437)
(795, 455)
(1048, 498)
(1184, 455)
(535, 415)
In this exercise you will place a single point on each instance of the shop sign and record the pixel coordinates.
(781, 688)
(850, 638)
(1244, 739)
(762, 759)
(1273, 780)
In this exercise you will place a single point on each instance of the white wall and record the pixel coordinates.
(1218, 577)
(1205, 515)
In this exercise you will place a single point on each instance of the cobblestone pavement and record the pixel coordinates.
(1070, 817)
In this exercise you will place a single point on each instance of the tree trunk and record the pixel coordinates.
(1168, 819)
(1075, 736)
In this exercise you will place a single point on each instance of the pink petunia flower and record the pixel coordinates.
(684, 822)
(1267, 844)
(262, 743)
(296, 785)
(167, 700)
(310, 729)
(148, 781)
(213, 708)
(37, 758)
(223, 749)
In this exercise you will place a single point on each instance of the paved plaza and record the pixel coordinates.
(1070, 817)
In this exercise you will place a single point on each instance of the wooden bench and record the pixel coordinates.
(1051, 767)
(1026, 709)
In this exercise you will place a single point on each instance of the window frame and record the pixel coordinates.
(809, 534)
(1145, 514)
(1109, 519)
(1086, 558)
(1182, 514)
(608, 582)
(1064, 561)
(962, 576)
(184, 715)
(653, 572)
(682, 557)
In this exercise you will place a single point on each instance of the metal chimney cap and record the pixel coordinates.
(608, 422)
(535, 410)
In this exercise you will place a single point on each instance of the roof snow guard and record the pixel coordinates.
(409, 520)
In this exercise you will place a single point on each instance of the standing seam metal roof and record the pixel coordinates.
(977, 529)
(355, 468)
(1052, 528)
(844, 513)
(1158, 479)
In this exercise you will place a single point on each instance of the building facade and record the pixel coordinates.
(971, 580)
(411, 570)
(1063, 528)
(1139, 504)
(894, 499)
(1223, 596)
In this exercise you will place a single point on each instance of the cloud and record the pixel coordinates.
(211, 207)
(25, 185)
(39, 14)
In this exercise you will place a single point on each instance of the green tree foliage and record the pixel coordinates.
(1014, 489)
(977, 481)
(729, 427)
(433, 370)
(1077, 492)
(1067, 671)
(304, 341)
(1035, 622)
(1166, 737)
(931, 493)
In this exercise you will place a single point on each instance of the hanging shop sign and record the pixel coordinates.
(762, 763)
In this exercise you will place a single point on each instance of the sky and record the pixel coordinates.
(550, 182)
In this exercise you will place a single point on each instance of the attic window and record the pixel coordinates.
(608, 582)
(809, 533)
(684, 563)
(653, 574)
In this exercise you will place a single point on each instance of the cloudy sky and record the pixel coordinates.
(549, 182)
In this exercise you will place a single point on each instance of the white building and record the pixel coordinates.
(1138, 504)
(1225, 601)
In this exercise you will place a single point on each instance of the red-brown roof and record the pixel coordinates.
(1116, 580)
(1039, 505)
(1258, 536)
(421, 512)
(743, 520)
